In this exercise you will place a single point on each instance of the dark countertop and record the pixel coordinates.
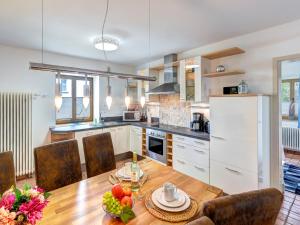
(163, 127)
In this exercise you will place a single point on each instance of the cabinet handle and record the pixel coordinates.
(182, 162)
(216, 137)
(199, 142)
(200, 151)
(199, 168)
(180, 138)
(180, 146)
(233, 171)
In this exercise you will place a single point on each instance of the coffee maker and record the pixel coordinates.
(198, 123)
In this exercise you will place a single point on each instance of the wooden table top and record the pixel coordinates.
(80, 203)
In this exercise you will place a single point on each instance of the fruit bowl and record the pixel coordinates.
(118, 203)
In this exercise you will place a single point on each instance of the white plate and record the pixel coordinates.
(170, 209)
(159, 194)
(121, 173)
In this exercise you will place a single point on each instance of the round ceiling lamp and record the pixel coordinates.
(106, 44)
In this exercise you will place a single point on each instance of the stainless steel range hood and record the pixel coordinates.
(170, 85)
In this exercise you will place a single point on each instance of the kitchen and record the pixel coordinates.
(205, 113)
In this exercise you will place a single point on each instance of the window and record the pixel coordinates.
(289, 91)
(72, 109)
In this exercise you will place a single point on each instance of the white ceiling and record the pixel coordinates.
(176, 25)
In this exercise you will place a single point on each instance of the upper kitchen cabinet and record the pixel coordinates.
(190, 80)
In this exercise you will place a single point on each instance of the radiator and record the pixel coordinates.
(16, 130)
(291, 138)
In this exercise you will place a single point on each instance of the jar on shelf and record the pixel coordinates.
(243, 87)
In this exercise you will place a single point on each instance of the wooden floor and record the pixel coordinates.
(290, 210)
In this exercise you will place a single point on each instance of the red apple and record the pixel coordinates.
(117, 191)
(127, 191)
(126, 201)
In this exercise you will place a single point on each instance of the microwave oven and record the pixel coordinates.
(131, 116)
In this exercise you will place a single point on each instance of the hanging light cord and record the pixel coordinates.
(102, 30)
(42, 5)
(149, 31)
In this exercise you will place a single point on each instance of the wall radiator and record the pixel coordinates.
(16, 130)
(291, 138)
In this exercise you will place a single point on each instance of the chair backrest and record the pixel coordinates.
(201, 221)
(249, 208)
(7, 171)
(99, 154)
(57, 165)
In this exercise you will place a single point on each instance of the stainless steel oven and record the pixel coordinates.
(157, 145)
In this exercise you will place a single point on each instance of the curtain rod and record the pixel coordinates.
(74, 70)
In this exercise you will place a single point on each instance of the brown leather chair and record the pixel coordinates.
(57, 165)
(251, 208)
(99, 154)
(7, 171)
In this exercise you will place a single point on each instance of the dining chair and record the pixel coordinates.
(57, 165)
(99, 154)
(7, 171)
(249, 208)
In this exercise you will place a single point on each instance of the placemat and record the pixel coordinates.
(185, 215)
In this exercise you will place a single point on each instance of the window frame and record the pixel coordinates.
(74, 119)
(292, 94)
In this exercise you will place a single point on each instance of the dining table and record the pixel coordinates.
(81, 203)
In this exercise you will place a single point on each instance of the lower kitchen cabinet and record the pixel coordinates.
(191, 157)
(136, 139)
(120, 138)
(232, 179)
(82, 134)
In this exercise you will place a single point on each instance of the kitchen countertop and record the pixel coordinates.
(163, 127)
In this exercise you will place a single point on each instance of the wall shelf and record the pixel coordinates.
(224, 53)
(221, 74)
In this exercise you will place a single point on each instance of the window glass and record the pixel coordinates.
(296, 95)
(65, 111)
(285, 97)
(81, 112)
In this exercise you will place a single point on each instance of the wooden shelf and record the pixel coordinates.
(170, 146)
(169, 140)
(170, 160)
(238, 95)
(224, 53)
(170, 153)
(221, 74)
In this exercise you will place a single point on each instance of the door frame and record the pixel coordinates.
(276, 118)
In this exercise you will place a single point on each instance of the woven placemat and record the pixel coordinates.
(185, 215)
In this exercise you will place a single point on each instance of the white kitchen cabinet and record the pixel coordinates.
(190, 80)
(136, 139)
(82, 134)
(119, 136)
(239, 143)
(191, 157)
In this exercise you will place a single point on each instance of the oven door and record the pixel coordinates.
(156, 148)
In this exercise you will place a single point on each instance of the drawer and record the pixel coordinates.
(191, 141)
(240, 152)
(191, 169)
(55, 137)
(191, 153)
(231, 179)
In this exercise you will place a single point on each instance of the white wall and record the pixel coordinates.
(261, 47)
(15, 76)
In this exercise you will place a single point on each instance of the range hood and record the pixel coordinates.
(170, 85)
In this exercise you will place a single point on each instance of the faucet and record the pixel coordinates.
(101, 120)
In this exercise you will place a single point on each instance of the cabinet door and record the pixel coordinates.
(198, 79)
(182, 80)
(79, 136)
(231, 179)
(234, 131)
(121, 137)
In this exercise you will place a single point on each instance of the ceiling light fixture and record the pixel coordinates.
(86, 94)
(108, 97)
(106, 44)
(127, 98)
(58, 97)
